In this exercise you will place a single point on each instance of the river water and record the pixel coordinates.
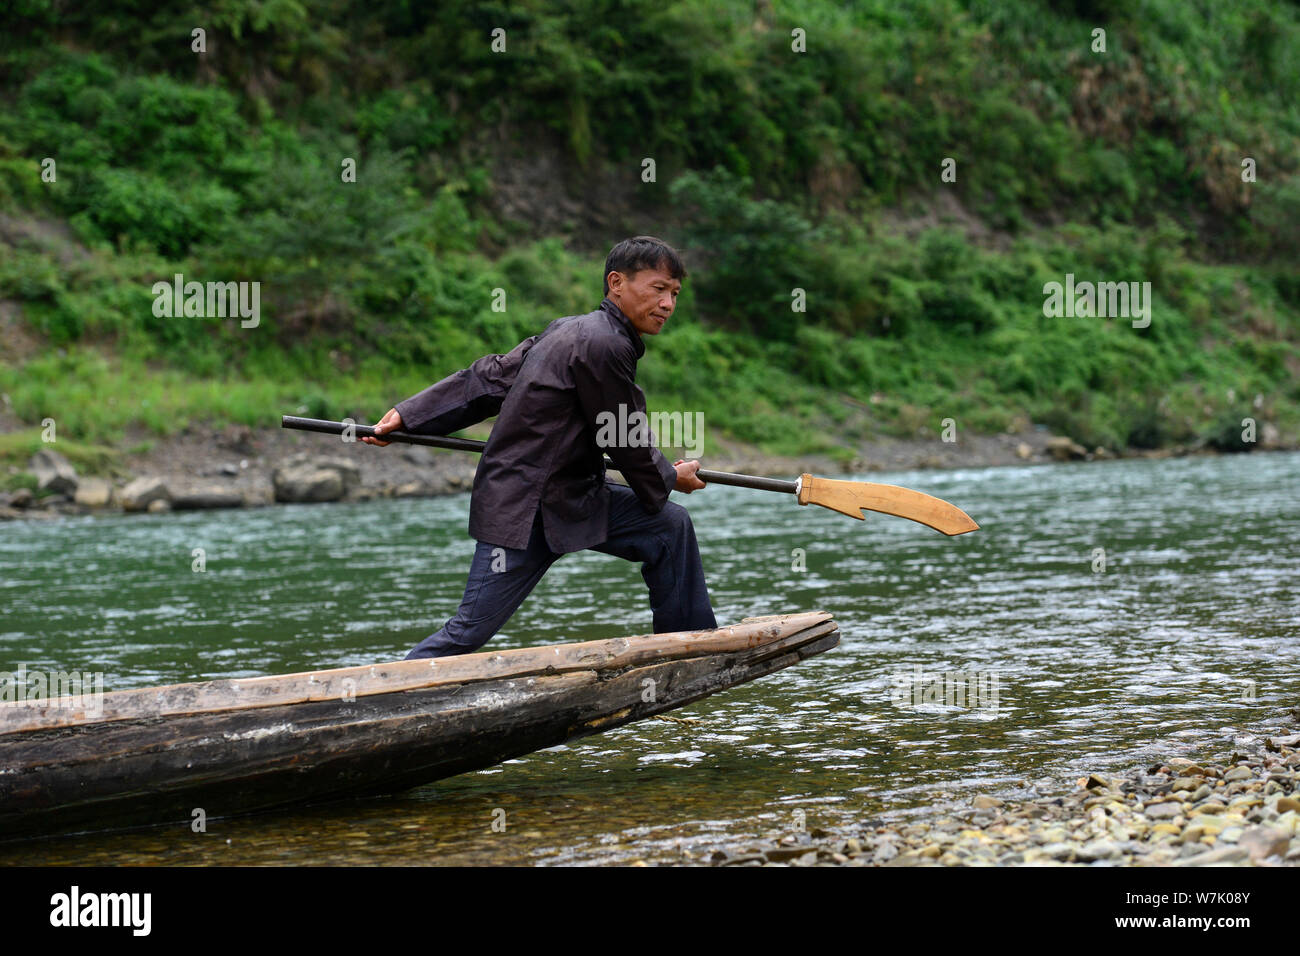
(1109, 613)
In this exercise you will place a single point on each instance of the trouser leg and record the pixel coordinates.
(665, 545)
(491, 595)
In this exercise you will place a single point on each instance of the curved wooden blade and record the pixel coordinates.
(851, 497)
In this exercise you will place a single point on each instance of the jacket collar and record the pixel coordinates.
(624, 323)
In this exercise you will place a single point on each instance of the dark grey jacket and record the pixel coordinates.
(547, 393)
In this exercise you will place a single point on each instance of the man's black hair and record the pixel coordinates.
(643, 252)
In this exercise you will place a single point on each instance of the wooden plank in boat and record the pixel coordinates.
(366, 680)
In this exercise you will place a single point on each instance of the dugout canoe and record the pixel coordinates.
(154, 755)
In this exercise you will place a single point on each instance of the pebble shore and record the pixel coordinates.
(240, 467)
(1243, 811)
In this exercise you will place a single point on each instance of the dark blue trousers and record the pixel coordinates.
(664, 543)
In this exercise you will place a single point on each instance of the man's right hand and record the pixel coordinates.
(686, 477)
(390, 422)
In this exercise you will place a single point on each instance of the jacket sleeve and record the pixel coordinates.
(604, 374)
(465, 397)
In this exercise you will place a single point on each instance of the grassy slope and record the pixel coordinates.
(775, 172)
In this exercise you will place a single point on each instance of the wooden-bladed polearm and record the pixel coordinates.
(847, 497)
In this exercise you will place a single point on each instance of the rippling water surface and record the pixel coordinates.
(1186, 639)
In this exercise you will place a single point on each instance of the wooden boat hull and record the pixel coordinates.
(154, 756)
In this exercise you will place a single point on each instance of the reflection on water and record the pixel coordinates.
(1185, 639)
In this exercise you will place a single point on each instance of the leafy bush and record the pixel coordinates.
(754, 252)
(1225, 433)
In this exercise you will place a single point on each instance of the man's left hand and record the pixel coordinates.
(390, 422)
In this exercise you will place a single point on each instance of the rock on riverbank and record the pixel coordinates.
(237, 466)
(1241, 811)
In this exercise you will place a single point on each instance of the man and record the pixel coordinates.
(540, 489)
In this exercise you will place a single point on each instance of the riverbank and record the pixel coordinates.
(1243, 810)
(236, 466)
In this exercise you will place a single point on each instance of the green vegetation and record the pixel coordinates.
(775, 171)
(17, 449)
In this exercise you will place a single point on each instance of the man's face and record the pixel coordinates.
(647, 298)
